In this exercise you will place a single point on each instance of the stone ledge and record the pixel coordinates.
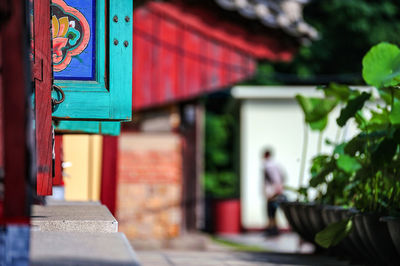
(78, 248)
(73, 218)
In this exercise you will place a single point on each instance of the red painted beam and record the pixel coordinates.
(182, 52)
(207, 23)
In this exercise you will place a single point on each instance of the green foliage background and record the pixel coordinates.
(221, 179)
(347, 30)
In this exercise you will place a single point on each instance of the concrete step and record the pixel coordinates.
(74, 217)
(79, 248)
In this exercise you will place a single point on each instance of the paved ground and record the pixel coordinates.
(213, 258)
(282, 250)
(284, 243)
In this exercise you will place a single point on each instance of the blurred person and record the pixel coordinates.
(273, 187)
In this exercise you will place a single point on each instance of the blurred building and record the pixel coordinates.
(270, 117)
(182, 51)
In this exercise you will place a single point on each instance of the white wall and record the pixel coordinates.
(276, 123)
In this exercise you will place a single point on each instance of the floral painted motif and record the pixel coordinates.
(70, 33)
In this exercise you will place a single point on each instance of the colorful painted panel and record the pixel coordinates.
(73, 33)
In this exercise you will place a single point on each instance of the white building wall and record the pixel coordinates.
(275, 123)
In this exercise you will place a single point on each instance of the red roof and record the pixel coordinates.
(181, 52)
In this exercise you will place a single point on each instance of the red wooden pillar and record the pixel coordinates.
(1, 133)
(58, 177)
(108, 192)
(16, 92)
(43, 77)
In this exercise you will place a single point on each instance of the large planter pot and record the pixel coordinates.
(297, 213)
(227, 216)
(350, 247)
(380, 239)
(290, 209)
(359, 227)
(315, 214)
(326, 217)
(330, 216)
(354, 237)
(316, 223)
(305, 221)
(393, 224)
(286, 207)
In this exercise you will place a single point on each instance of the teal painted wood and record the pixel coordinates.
(91, 127)
(92, 100)
(121, 54)
(110, 128)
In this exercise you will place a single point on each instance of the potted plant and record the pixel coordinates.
(221, 181)
(362, 174)
(223, 189)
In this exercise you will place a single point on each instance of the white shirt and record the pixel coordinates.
(274, 186)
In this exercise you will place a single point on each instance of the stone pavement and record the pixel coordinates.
(284, 243)
(80, 249)
(231, 258)
(78, 234)
(282, 250)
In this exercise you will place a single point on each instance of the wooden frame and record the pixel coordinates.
(102, 99)
(91, 127)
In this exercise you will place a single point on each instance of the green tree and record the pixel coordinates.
(221, 179)
(347, 30)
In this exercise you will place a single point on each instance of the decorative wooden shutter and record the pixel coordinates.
(92, 58)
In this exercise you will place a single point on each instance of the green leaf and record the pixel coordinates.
(379, 121)
(339, 149)
(321, 167)
(396, 136)
(320, 178)
(360, 120)
(319, 125)
(318, 163)
(381, 65)
(315, 109)
(385, 152)
(340, 92)
(356, 144)
(352, 107)
(221, 184)
(394, 115)
(348, 164)
(303, 191)
(350, 186)
(386, 94)
(334, 233)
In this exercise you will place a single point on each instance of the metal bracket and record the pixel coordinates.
(54, 102)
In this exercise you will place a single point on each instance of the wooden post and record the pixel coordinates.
(16, 92)
(192, 138)
(200, 131)
(108, 192)
(43, 77)
(58, 149)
